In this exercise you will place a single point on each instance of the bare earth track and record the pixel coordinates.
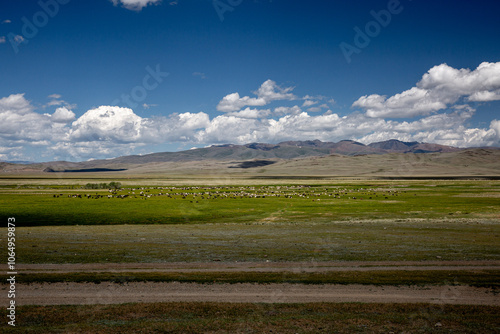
(148, 292)
(115, 293)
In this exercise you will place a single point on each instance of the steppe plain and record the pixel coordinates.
(372, 243)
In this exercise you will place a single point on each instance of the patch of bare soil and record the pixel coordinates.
(115, 293)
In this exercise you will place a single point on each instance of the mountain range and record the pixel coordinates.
(276, 156)
(286, 150)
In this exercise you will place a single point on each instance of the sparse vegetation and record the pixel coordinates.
(256, 318)
(476, 278)
(357, 240)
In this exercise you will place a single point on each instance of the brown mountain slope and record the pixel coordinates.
(313, 158)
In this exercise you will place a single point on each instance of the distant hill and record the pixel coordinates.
(396, 146)
(284, 150)
(246, 156)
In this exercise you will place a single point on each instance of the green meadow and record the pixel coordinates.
(305, 221)
(50, 205)
(349, 221)
(371, 240)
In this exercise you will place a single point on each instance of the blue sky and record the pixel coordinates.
(104, 78)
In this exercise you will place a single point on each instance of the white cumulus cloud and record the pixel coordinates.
(63, 115)
(287, 110)
(233, 102)
(15, 103)
(495, 126)
(269, 91)
(21, 125)
(111, 131)
(136, 5)
(308, 103)
(107, 123)
(439, 88)
(250, 113)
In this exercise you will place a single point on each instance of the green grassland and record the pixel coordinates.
(334, 241)
(37, 206)
(256, 318)
(304, 220)
(381, 220)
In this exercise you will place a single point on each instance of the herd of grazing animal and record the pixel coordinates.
(226, 192)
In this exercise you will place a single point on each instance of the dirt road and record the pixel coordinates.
(146, 292)
(114, 293)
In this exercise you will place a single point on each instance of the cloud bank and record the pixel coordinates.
(436, 110)
(439, 88)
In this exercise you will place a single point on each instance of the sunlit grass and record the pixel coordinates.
(37, 206)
